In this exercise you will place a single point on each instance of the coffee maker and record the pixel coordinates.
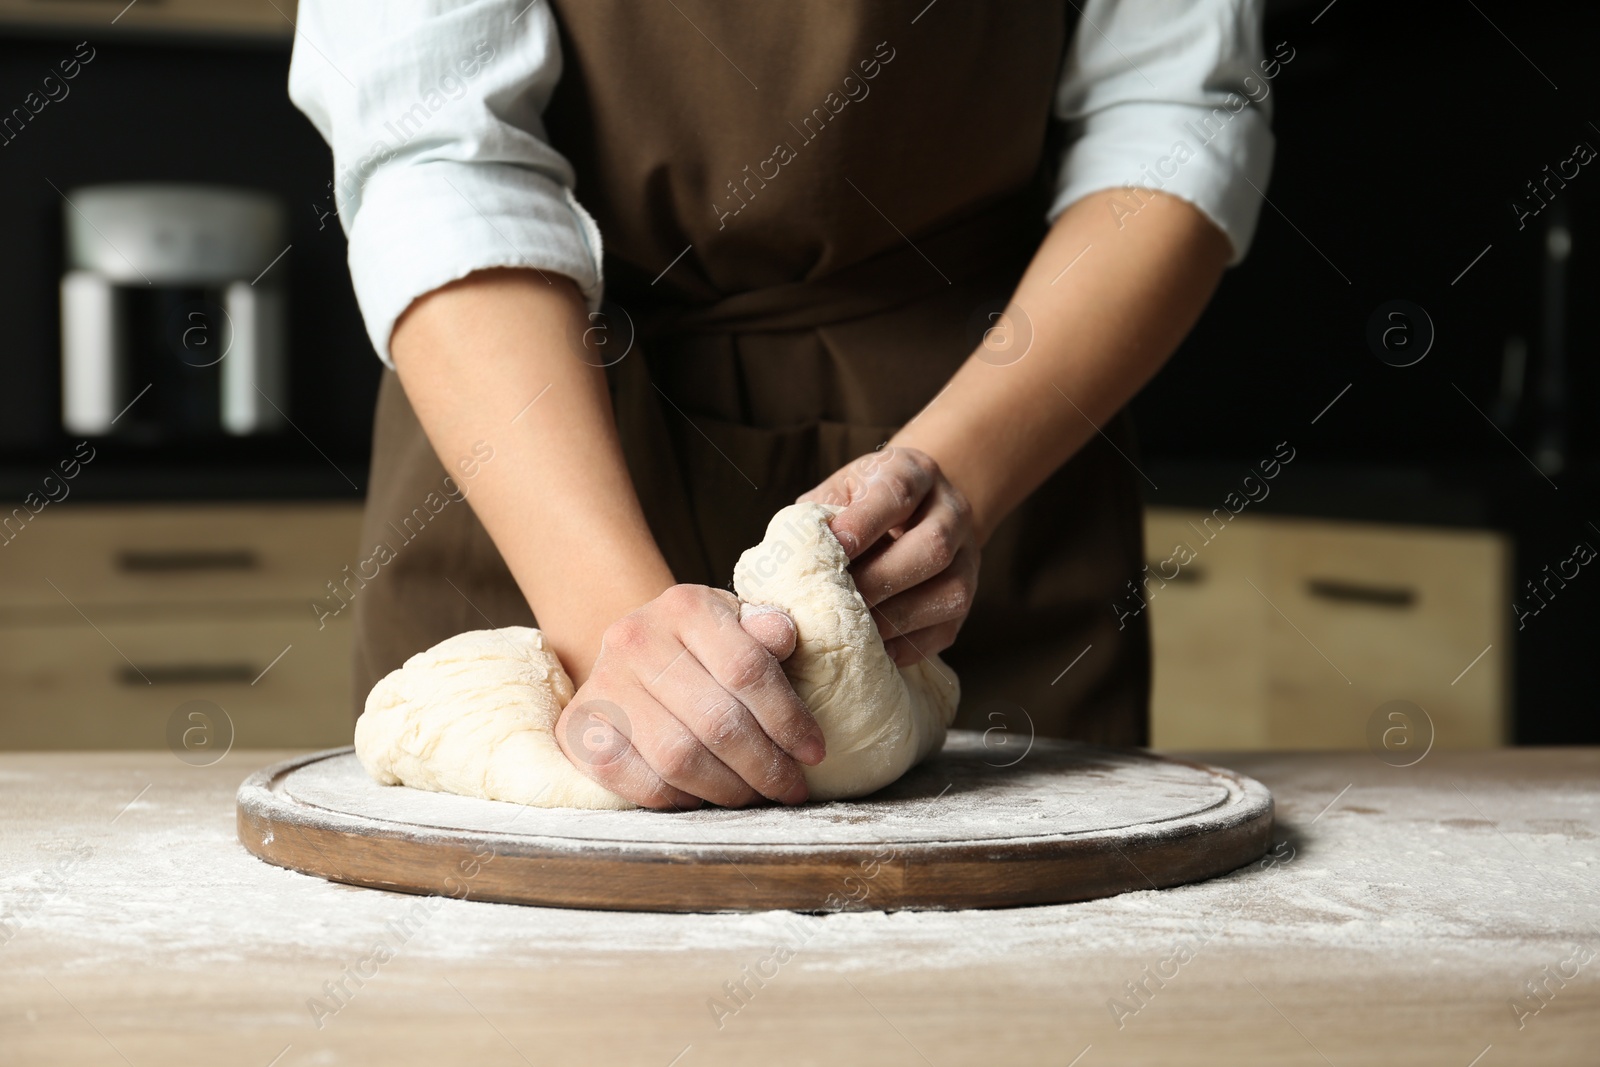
(173, 313)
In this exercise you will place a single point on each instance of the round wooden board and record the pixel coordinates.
(974, 827)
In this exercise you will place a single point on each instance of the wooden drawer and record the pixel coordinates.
(66, 686)
(254, 18)
(1399, 613)
(1206, 627)
(1290, 633)
(161, 556)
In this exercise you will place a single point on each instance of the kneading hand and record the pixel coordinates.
(914, 552)
(687, 702)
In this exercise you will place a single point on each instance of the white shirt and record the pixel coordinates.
(433, 110)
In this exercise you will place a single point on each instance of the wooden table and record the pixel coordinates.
(1401, 920)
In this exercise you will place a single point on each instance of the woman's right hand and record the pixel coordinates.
(687, 703)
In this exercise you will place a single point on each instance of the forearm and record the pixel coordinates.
(1101, 330)
(491, 359)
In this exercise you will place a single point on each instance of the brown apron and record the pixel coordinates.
(850, 186)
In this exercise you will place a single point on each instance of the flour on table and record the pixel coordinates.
(476, 714)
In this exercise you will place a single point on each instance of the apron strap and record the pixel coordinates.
(1005, 233)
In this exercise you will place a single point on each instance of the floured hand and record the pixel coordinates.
(914, 553)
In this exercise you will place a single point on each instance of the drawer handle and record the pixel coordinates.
(166, 561)
(1190, 573)
(188, 674)
(1382, 596)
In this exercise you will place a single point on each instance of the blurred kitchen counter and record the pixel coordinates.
(237, 474)
(256, 20)
(1272, 630)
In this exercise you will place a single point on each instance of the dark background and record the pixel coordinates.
(217, 111)
(1404, 135)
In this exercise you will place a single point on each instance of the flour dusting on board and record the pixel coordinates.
(961, 796)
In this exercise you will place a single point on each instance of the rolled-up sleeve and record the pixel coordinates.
(1173, 95)
(441, 165)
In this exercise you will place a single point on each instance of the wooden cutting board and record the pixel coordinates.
(974, 827)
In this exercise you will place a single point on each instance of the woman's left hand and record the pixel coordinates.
(913, 549)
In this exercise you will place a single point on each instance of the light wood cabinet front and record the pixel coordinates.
(171, 556)
(280, 681)
(272, 19)
(1291, 633)
(114, 617)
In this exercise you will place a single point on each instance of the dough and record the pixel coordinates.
(476, 713)
(878, 720)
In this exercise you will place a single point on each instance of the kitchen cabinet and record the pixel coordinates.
(273, 19)
(113, 618)
(1293, 633)
(1278, 633)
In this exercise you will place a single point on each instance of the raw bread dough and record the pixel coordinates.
(476, 713)
(878, 719)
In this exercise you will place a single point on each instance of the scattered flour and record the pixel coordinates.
(1426, 862)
